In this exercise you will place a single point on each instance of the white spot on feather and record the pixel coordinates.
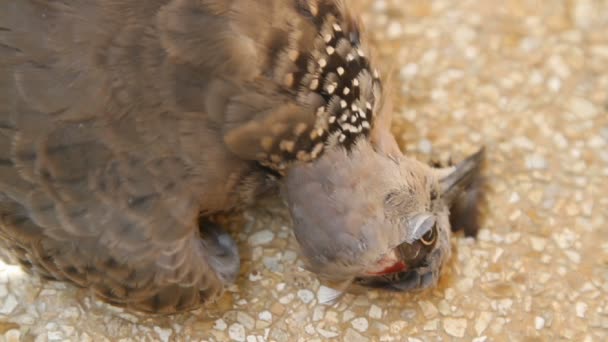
(330, 88)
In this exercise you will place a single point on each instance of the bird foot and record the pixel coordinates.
(222, 250)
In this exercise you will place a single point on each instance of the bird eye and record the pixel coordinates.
(429, 237)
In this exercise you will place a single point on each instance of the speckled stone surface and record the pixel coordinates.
(528, 79)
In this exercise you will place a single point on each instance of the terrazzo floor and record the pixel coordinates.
(527, 79)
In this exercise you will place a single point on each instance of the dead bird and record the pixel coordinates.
(123, 122)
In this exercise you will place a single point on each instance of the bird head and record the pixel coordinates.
(373, 217)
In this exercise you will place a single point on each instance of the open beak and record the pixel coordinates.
(463, 176)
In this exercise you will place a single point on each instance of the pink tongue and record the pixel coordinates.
(398, 266)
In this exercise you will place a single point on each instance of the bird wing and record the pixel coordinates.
(121, 121)
(106, 157)
(289, 77)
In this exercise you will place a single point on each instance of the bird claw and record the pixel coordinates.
(222, 251)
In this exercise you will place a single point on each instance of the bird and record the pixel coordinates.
(126, 125)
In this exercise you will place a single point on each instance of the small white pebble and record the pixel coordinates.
(565, 239)
(265, 316)
(539, 322)
(318, 313)
(465, 284)
(503, 305)
(354, 336)
(347, 315)
(514, 198)
(470, 52)
(397, 326)
(581, 309)
(327, 333)
(559, 66)
(220, 325)
(394, 30)
(482, 322)
(288, 298)
(444, 307)
(375, 312)
(596, 141)
(428, 309)
(73, 313)
(306, 296)
(360, 324)
(290, 256)
(309, 329)
(431, 325)
(536, 162)
(164, 334)
(450, 294)
(554, 84)
(12, 335)
(455, 326)
(512, 237)
(331, 317)
(54, 335)
(536, 78)
(380, 6)
(425, 146)
(245, 319)
(459, 114)
(587, 286)
(464, 34)
(573, 256)
(69, 330)
(560, 140)
(84, 337)
(409, 71)
(583, 108)
(10, 303)
(261, 238)
(538, 244)
(515, 215)
(236, 331)
(255, 276)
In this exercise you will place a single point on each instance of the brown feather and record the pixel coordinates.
(121, 122)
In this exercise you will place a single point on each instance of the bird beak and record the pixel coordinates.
(461, 178)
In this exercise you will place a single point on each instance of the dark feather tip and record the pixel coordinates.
(465, 210)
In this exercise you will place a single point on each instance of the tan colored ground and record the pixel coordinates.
(529, 79)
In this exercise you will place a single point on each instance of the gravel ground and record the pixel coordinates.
(525, 78)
